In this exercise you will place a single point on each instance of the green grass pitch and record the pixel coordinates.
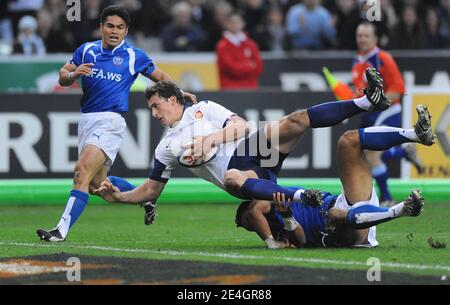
(207, 232)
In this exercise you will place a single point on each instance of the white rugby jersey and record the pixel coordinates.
(200, 119)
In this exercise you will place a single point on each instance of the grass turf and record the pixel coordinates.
(207, 232)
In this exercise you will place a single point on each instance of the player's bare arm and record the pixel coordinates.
(148, 191)
(70, 72)
(256, 221)
(159, 75)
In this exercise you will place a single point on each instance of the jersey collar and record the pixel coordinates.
(185, 106)
(107, 51)
(365, 57)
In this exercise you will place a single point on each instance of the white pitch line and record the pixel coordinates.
(231, 256)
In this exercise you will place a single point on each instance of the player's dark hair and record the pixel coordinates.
(241, 209)
(115, 10)
(165, 89)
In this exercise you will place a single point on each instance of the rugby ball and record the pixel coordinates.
(186, 158)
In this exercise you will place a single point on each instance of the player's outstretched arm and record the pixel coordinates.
(148, 191)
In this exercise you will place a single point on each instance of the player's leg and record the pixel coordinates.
(89, 164)
(99, 139)
(247, 184)
(376, 159)
(354, 171)
(380, 173)
(98, 179)
(289, 129)
(392, 117)
(355, 175)
(250, 174)
(364, 216)
(382, 138)
(234, 179)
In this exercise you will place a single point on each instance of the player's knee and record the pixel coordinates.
(81, 174)
(231, 180)
(297, 120)
(349, 139)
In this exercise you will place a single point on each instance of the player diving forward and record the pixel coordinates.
(238, 162)
(348, 219)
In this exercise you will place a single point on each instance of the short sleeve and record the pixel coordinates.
(217, 114)
(77, 57)
(143, 64)
(160, 172)
(163, 164)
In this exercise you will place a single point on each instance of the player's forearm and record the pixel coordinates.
(134, 197)
(259, 223)
(143, 193)
(65, 78)
(160, 75)
(234, 131)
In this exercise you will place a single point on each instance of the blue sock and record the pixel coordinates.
(263, 189)
(381, 176)
(122, 184)
(394, 153)
(383, 138)
(366, 216)
(332, 113)
(75, 205)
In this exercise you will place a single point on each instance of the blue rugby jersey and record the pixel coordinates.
(312, 219)
(113, 73)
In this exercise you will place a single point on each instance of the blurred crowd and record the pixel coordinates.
(41, 26)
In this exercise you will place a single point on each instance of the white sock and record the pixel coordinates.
(397, 210)
(410, 134)
(407, 133)
(362, 102)
(63, 226)
(371, 217)
(64, 223)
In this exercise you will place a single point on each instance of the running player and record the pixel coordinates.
(107, 68)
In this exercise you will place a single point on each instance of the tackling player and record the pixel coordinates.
(107, 68)
(348, 219)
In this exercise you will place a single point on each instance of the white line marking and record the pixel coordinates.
(231, 256)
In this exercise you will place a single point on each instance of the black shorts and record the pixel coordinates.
(256, 153)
